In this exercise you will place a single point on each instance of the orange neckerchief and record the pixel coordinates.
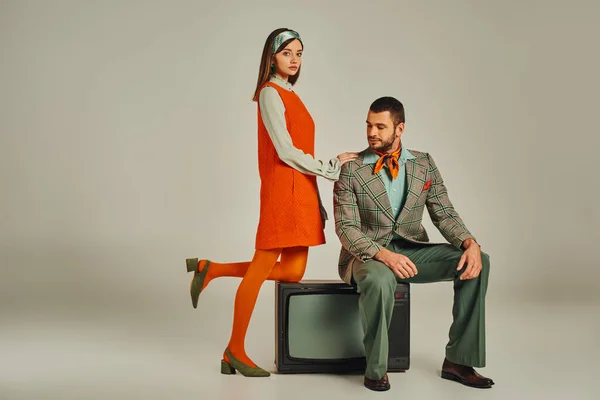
(391, 160)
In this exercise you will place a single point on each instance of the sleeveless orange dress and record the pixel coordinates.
(289, 202)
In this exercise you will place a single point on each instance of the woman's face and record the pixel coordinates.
(287, 61)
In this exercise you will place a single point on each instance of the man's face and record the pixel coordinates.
(381, 133)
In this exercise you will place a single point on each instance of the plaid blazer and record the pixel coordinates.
(364, 221)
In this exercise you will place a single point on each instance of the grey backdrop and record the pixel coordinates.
(128, 143)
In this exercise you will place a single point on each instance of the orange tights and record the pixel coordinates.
(264, 266)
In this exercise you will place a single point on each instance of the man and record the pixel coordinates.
(378, 206)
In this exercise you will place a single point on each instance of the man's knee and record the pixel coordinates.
(485, 259)
(375, 276)
(485, 263)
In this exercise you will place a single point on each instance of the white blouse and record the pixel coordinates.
(272, 111)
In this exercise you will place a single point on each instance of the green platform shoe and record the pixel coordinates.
(229, 368)
(198, 280)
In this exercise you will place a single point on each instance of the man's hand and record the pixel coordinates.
(472, 258)
(399, 264)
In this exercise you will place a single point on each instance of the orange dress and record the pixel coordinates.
(289, 202)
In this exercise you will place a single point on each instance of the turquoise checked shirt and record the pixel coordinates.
(396, 188)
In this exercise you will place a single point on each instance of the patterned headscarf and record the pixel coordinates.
(282, 37)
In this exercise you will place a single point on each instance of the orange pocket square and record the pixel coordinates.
(426, 186)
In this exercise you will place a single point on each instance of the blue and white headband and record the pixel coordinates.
(282, 37)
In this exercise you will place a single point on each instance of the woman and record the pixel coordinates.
(292, 217)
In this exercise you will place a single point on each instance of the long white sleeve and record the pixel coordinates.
(272, 111)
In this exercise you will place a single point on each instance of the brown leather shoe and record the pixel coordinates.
(465, 375)
(380, 385)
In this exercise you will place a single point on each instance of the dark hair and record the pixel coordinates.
(266, 59)
(392, 105)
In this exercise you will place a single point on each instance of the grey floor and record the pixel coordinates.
(167, 350)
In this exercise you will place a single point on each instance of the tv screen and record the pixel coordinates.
(324, 326)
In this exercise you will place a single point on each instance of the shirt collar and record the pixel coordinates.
(371, 157)
(279, 81)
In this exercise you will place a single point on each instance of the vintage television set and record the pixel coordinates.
(318, 329)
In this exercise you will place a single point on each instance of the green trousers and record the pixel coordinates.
(376, 284)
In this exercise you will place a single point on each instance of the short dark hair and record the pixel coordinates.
(392, 105)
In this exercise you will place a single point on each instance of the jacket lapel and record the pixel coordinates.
(415, 179)
(374, 186)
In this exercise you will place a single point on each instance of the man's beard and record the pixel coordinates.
(386, 146)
